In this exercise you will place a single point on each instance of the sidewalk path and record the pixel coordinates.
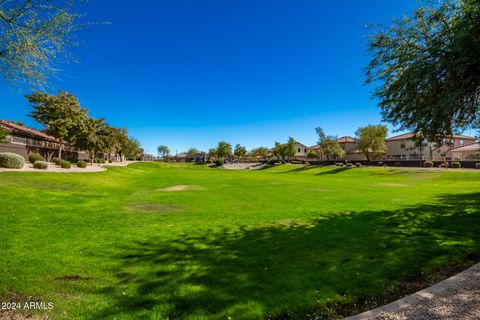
(457, 297)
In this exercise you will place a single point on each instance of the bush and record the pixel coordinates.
(398, 164)
(81, 164)
(358, 164)
(456, 165)
(272, 162)
(34, 157)
(477, 165)
(99, 160)
(219, 162)
(349, 165)
(43, 165)
(11, 160)
(65, 164)
(57, 161)
(307, 163)
(380, 163)
(428, 164)
(339, 164)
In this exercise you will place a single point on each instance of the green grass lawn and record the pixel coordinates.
(287, 242)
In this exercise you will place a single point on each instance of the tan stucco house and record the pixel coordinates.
(465, 153)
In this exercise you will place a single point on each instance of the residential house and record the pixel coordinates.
(25, 141)
(470, 152)
(403, 147)
(301, 150)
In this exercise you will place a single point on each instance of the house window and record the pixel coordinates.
(305, 150)
(461, 142)
(402, 145)
(298, 150)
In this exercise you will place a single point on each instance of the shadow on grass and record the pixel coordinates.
(292, 270)
(333, 171)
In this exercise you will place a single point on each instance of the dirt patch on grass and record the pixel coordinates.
(180, 188)
(393, 185)
(73, 277)
(153, 207)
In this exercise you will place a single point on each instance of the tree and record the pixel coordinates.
(426, 69)
(312, 154)
(3, 135)
(90, 138)
(280, 150)
(163, 151)
(131, 147)
(261, 152)
(212, 153)
(371, 140)
(34, 36)
(240, 151)
(61, 115)
(290, 148)
(224, 150)
(329, 145)
(192, 151)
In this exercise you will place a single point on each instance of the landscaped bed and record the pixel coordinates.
(181, 241)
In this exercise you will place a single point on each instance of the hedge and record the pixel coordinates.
(34, 157)
(81, 164)
(456, 165)
(11, 160)
(43, 165)
(65, 165)
(477, 165)
(428, 164)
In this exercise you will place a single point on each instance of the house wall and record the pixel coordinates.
(300, 150)
(406, 150)
(15, 148)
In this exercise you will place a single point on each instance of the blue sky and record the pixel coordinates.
(192, 73)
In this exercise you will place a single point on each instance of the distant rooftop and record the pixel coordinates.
(16, 128)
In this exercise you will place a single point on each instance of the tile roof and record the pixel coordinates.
(469, 147)
(28, 131)
(346, 139)
(410, 135)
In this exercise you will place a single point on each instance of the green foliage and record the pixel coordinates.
(380, 163)
(312, 154)
(219, 162)
(43, 165)
(398, 164)
(371, 140)
(193, 151)
(428, 164)
(99, 160)
(163, 151)
(3, 135)
(61, 114)
(240, 151)
(349, 165)
(57, 161)
(34, 37)
(290, 148)
(261, 152)
(224, 150)
(477, 165)
(34, 157)
(456, 165)
(65, 164)
(81, 164)
(358, 164)
(11, 160)
(426, 69)
(329, 145)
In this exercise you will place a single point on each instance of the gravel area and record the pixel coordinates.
(28, 167)
(244, 166)
(455, 298)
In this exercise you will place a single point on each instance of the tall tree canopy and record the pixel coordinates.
(260, 152)
(3, 135)
(240, 151)
(61, 114)
(224, 150)
(34, 36)
(329, 145)
(371, 140)
(426, 68)
(163, 151)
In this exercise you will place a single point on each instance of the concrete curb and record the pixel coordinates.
(420, 296)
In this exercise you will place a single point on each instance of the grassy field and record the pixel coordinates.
(287, 242)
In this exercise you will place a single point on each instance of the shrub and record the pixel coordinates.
(65, 164)
(358, 164)
(272, 161)
(339, 164)
(34, 157)
(349, 165)
(398, 164)
(81, 164)
(11, 160)
(99, 160)
(428, 164)
(43, 165)
(380, 163)
(456, 165)
(307, 163)
(57, 161)
(219, 162)
(477, 165)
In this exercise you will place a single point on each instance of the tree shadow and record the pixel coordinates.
(291, 269)
(333, 171)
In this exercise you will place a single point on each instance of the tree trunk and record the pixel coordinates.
(60, 151)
